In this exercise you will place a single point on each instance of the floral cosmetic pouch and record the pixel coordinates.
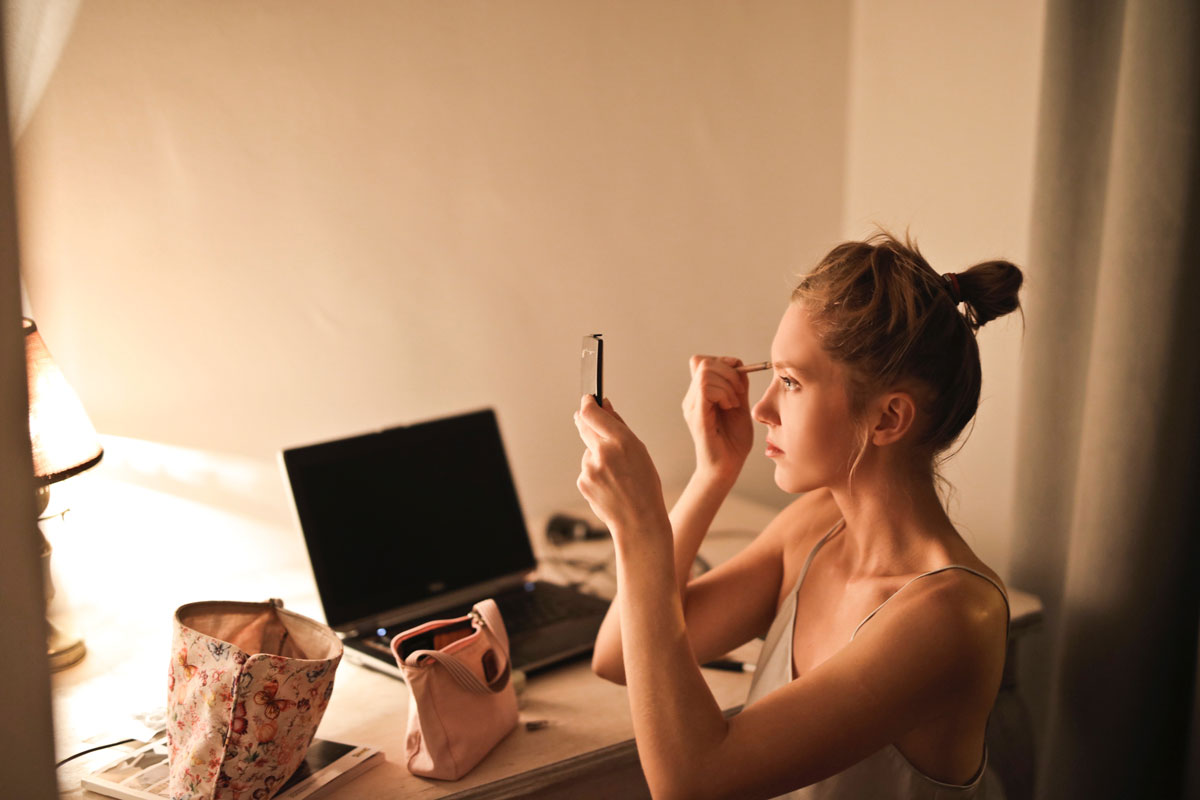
(247, 687)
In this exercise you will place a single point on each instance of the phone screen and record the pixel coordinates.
(591, 375)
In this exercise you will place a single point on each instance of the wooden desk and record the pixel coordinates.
(588, 742)
(587, 750)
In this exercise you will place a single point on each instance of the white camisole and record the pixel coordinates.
(886, 774)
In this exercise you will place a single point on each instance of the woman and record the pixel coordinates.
(885, 634)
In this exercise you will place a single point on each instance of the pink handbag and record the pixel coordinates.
(462, 701)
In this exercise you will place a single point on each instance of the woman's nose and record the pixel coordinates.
(764, 410)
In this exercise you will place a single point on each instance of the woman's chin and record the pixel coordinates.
(791, 483)
(785, 481)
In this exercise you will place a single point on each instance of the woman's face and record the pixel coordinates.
(811, 435)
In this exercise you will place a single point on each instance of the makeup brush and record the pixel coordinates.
(754, 367)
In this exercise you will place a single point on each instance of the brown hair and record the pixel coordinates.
(882, 312)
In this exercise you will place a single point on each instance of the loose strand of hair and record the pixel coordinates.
(864, 434)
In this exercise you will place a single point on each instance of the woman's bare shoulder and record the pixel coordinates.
(970, 614)
(956, 594)
(963, 555)
(941, 641)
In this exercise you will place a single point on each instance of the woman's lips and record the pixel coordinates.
(772, 450)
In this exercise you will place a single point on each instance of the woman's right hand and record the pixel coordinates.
(717, 410)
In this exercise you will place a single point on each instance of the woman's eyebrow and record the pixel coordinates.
(796, 368)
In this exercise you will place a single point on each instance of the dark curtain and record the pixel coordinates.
(26, 734)
(1107, 515)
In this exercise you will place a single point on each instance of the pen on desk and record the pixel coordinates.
(754, 367)
(729, 665)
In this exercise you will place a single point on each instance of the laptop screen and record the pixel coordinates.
(407, 514)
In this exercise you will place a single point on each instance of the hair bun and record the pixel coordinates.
(989, 290)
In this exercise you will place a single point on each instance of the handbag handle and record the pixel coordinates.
(489, 617)
(462, 674)
(489, 614)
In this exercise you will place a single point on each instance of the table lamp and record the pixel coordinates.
(64, 444)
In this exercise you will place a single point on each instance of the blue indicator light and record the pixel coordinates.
(382, 632)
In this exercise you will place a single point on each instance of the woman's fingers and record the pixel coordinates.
(608, 406)
(725, 364)
(714, 398)
(719, 385)
(726, 368)
(741, 380)
(588, 466)
(602, 420)
(695, 361)
(616, 474)
(710, 367)
(587, 415)
(720, 396)
(587, 433)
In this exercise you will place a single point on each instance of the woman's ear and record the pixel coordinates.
(895, 413)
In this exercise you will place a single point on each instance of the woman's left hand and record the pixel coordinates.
(617, 476)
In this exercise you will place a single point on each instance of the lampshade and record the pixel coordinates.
(64, 441)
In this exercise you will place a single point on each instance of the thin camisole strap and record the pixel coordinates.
(1008, 616)
(811, 553)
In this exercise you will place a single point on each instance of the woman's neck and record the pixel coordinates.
(895, 522)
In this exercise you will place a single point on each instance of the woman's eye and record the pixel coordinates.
(788, 383)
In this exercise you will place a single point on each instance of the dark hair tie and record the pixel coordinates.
(953, 287)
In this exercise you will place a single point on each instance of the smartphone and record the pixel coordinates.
(591, 372)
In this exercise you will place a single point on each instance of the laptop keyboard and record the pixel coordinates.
(522, 609)
(375, 644)
(528, 609)
(546, 623)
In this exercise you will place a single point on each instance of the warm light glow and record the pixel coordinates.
(63, 439)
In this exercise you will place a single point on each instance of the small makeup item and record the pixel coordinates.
(729, 665)
(759, 367)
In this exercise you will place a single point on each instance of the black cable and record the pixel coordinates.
(92, 750)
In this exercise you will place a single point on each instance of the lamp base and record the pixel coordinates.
(63, 650)
(64, 645)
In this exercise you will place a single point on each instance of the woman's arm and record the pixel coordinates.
(923, 656)
(690, 520)
(716, 408)
(676, 720)
(733, 602)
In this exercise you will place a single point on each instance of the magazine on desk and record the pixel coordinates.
(142, 774)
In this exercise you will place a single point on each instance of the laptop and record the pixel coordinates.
(420, 522)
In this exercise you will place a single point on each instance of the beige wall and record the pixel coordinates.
(249, 225)
(943, 106)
